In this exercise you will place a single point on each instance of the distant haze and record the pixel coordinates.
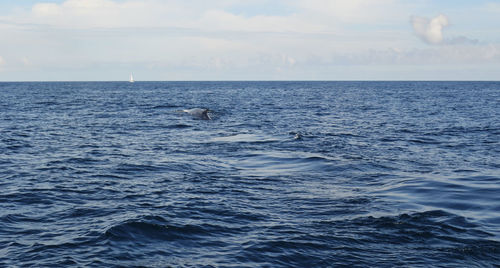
(87, 40)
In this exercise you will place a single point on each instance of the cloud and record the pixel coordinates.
(2, 62)
(456, 55)
(195, 15)
(430, 30)
(493, 7)
(220, 20)
(461, 40)
(439, 55)
(90, 13)
(352, 11)
(26, 61)
(46, 9)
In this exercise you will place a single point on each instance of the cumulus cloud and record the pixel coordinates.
(430, 30)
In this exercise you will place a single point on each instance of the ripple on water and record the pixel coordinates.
(247, 138)
(278, 163)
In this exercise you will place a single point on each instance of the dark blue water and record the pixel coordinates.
(304, 174)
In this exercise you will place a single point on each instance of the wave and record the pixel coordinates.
(36, 197)
(176, 126)
(276, 163)
(158, 228)
(247, 138)
(166, 106)
(443, 237)
(421, 238)
(472, 195)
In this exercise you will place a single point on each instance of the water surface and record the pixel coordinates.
(305, 174)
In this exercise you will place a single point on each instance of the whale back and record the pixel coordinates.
(198, 113)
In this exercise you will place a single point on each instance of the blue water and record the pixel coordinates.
(295, 174)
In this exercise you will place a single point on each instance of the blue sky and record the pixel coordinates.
(96, 40)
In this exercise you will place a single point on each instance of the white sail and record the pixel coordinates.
(131, 79)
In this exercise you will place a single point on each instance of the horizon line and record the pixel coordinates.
(305, 80)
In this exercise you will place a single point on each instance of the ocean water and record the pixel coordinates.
(286, 174)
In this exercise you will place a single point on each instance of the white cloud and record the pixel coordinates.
(197, 15)
(223, 20)
(440, 55)
(430, 31)
(492, 7)
(2, 62)
(107, 13)
(46, 10)
(26, 61)
(289, 60)
(354, 11)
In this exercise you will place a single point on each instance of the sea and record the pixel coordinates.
(285, 174)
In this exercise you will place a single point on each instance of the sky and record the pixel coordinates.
(172, 40)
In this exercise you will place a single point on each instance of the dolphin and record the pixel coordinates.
(198, 113)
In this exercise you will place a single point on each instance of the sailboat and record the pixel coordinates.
(131, 79)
